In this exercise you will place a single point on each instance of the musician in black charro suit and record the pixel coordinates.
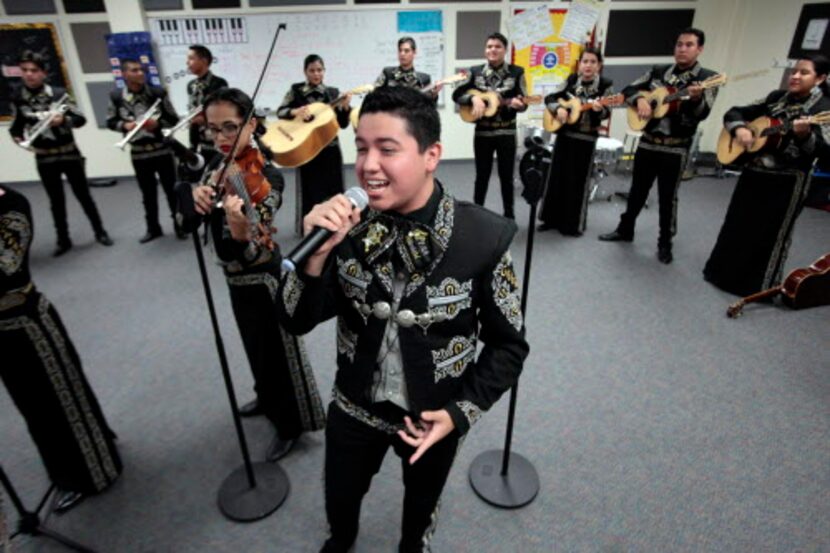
(322, 177)
(752, 245)
(404, 74)
(664, 146)
(149, 152)
(495, 134)
(566, 197)
(55, 150)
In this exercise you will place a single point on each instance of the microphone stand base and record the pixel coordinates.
(240, 502)
(515, 489)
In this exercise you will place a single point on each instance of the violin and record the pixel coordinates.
(804, 287)
(244, 177)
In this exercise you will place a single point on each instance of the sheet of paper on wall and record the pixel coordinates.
(580, 20)
(530, 26)
(814, 34)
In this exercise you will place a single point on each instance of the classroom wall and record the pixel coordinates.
(742, 35)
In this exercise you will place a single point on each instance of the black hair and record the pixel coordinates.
(239, 99)
(29, 56)
(407, 39)
(413, 106)
(125, 61)
(701, 36)
(821, 65)
(591, 50)
(311, 58)
(498, 36)
(203, 52)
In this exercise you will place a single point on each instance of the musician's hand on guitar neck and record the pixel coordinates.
(437, 88)
(238, 223)
(695, 91)
(562, 115)
(744, 137)
(57, 121)
(643, 108)
(343, 104)
(801, 127)
(596, 106)
(478, 107)
(203, 199)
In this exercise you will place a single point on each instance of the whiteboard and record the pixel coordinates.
(355, 46)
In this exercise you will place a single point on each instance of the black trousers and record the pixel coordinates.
(283, 379)
(50, 174)
(146, 170)
(354, 454)
(48, 386)
(504, 146)
(667, 168)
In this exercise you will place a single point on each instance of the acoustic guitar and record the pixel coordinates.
(803, 288)
(492, 102)
(354, 115)
(666, 100)
(297, 141)
(575, 108)
(767, 132)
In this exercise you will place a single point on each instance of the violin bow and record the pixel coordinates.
(235, 146)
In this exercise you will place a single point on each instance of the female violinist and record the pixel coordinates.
(566, 201)
(322, 177)
(250, 194)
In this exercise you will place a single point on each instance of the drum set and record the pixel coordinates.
(608, 154)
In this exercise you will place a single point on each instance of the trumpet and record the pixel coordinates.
(58, 108)
(183, 123)
(152, 113)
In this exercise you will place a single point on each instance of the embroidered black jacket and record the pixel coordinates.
(28, 103)
(508, 80)
(574, 87)
(468, 291)
(16, 233)
(684, 122)
(792, 152)
(302, 94)
(127, 106)
(198, 90)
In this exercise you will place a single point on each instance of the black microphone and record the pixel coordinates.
(319, 235)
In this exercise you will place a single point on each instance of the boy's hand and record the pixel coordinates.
(434, 426)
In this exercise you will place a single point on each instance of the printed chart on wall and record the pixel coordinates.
(539, 48)
(354, 45)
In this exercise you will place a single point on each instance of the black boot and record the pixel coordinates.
(617, 236)
(62, 247)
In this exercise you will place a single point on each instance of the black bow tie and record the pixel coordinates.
(402, 240)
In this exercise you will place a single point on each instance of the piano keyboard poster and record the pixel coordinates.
(134, 46)
(240, 44)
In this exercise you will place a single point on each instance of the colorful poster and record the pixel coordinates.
(134, 46)
(547, 62)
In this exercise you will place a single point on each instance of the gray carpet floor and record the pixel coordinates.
(656, 424)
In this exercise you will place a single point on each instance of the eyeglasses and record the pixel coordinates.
(228, 130)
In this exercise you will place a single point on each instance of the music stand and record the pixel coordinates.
(30, 522)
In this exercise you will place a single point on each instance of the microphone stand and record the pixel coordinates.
(516, 483)
(30, 522)
(254, 490)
